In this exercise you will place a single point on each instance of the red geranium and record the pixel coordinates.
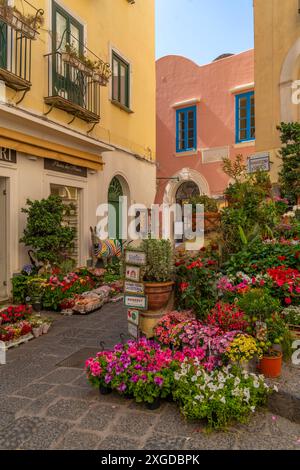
(227, 317)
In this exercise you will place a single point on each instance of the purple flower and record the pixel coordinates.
(108, 378)
(122, 387)
(134, 378)
(158, 381)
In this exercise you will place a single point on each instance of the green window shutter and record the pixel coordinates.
(120, 80)
(3, 45)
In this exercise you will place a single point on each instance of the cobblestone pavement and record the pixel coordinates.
(46, 406)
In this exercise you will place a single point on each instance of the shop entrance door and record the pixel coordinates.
(3, 239)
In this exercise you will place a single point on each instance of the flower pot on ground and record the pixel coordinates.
(37, 306)
(158, 272)
(270, 365)
(45, 328)
(103, 390)
(36, 331)
(154, 405)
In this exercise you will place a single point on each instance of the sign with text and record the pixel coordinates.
(259, 161)
(135, 257)
(8, 155)
(136, 301)
(134, 287)
(63, 167)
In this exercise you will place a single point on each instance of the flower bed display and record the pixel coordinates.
(148, 372)
(18, 325)
(220, 396)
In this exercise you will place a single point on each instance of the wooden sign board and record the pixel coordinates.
(133, 316)
(134, 287)
(136, 301)
(132, 273)
(137, 258)
(133, 330)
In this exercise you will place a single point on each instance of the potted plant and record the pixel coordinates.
(211, 214)
(276, 344)
(37, 325)
(35, 292)
(158, 272)
(46, 325)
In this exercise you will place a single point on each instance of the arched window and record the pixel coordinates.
(115, 191)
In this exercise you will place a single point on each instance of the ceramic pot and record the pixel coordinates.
(45, 328)
(36, 331)
(158, 294)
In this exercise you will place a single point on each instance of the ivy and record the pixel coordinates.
(290, 154)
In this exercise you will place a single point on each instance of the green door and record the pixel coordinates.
(114, 209)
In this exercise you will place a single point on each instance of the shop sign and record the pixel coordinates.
(134, 287)
(259, 161)
(136, 301)
(132, 273)
(135, 257)
(8, 155)
(63, 167)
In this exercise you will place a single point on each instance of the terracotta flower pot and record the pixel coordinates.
(270, 366)
(158, 294)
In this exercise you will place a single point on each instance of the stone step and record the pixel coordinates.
(286, 402)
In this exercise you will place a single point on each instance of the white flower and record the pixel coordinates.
(252, 408)
(223, 400)
(194, 378)
(275, 388)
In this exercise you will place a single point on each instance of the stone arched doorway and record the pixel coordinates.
(115, 191)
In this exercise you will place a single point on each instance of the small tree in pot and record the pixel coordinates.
(158, 273)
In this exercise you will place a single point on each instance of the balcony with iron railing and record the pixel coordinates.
(17, 31)
(75, 75)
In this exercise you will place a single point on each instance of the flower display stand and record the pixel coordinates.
(150, 318)
(17, 342)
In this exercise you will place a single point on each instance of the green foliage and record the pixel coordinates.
(19, 289)
(160, 260)
(221, 396)
(259, 256)
(251, 213)
(45, 231)
(258, 304)
(210, 204)
(290, 154)
(278, 333)
(291, 315)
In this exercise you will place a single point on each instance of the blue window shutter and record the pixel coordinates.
(238, 129)
(184, 112)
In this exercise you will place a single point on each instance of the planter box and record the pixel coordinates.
(295, 330)
(16, 342)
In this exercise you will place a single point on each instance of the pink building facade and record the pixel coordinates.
(204, 113)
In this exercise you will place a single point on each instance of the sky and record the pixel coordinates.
(203, 29)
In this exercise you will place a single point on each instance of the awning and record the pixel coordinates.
(31, 145)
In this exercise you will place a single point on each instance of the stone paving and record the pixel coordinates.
(44, 406)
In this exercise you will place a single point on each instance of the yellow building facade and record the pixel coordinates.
(66, 126)
(277, 69)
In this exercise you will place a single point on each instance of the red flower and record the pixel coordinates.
(288, 300)
(281, 258)
(184, 286)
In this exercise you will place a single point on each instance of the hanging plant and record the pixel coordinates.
(26, 24)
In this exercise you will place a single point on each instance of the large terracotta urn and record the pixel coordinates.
(158, 294)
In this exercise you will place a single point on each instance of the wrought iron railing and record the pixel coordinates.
(15, 57)
(72, 89)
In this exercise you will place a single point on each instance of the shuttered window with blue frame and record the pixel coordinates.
(245, 117)
(186, 129)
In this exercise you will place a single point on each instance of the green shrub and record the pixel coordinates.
(160, 260)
